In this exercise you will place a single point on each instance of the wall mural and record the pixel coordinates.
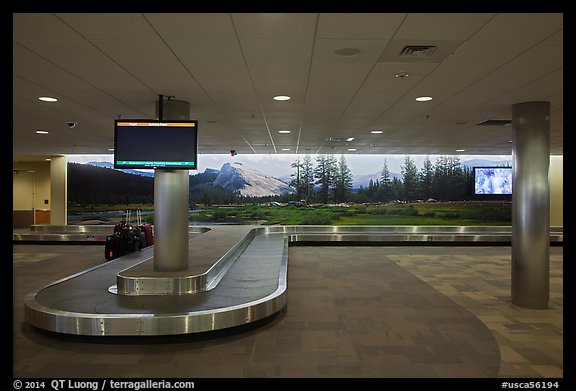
(299, 189)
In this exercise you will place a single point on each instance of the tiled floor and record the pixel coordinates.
(531, 341)
(352, 312)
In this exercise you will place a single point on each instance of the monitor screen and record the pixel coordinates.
(146, 143)
(492, 180)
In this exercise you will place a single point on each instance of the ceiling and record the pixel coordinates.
(229, 67)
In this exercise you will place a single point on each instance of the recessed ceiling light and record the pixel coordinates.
(424, 98)
(110, 149)
(401, 74)
(284, 131)
(460, 150)
(377, 131)
(42, 132)
(48, 159)
(285, 149)
(352, 149)
(48, 99)
(282, 97)
(347, 52)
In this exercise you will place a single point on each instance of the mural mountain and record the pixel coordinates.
(249, 182)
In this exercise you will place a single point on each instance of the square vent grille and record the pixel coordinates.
(339, 139)
(418, 51)
(495, 122)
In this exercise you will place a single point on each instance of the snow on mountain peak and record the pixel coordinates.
(249, 182)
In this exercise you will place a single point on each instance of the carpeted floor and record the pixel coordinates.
(352, 312)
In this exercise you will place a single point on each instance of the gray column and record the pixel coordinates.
(171, 188)
(170, 220)
(530, 204)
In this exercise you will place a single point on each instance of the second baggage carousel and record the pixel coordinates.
(243, 283)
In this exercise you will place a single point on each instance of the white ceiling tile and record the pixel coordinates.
(358, 25)
(280, 71)
(280, 112)
(491, 53)
(276, 86)
(218, 86)
(41, 26)
(559, 36)
(154, 72)
(67, 52)
(230, 101)
(534, 63)
(51, 80)
(219, 72)
(271, 25)
(109, 25)
(103, 103)
(205, 50)
(520, 27)
(441, 26)
(106, 76)
(538, 90)
(203, 64)
(383, 77)
(370, 104)
(192, 25)
(277, 50)
(136, 50)
(337, 74)
(370, 50)
(22, 56)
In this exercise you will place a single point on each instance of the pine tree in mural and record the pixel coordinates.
(426, 179)
(307, 175)
(342, 181)
(297, 182)
(385, 190)
(324, 173)
(411, 183)
(303, 178)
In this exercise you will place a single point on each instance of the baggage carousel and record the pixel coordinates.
(235, 276)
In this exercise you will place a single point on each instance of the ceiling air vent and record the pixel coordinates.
(495, 122)
(339, 139)
(418, 51)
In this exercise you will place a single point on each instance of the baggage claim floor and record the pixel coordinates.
(389, 311)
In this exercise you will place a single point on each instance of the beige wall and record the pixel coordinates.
(556, 177)
(59, 190)
(25, 184)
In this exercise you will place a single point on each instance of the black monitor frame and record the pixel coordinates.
(183, 159)
(488, 197)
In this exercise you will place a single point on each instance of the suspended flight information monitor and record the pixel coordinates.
(156, 144)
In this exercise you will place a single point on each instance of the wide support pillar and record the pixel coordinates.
(171, 190)
(530, 205)
(170, 220)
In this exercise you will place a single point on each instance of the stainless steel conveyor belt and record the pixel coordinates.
(251, 286)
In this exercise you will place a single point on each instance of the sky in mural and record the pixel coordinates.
(278, 165)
